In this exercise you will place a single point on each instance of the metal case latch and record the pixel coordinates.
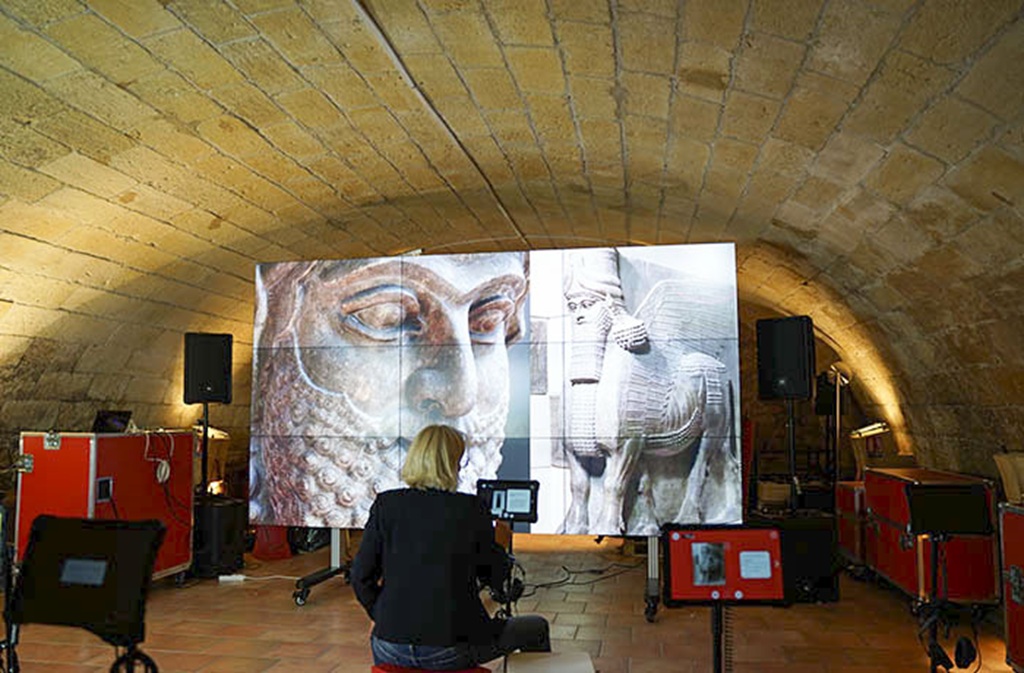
(25, 462)
(51, 441)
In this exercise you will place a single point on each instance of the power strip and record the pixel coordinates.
(228, 579)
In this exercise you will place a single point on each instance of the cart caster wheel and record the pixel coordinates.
(300, 597)
(179, 579)
(650, 611)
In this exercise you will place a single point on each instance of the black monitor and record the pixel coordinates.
(949, 509)
(111, 421)
(90, 573)
(509, 500)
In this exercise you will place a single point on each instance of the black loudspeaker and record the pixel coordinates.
(207, 368)
(810, 565)
(218, 539)
(785, 358)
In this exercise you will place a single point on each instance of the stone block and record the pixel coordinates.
(721, 183)
(395, 90)
(941, 212)
(596, 97)
(289, 138)
(792, 19)
(25, 185)
(813, 110)
(949, 32)
(172, 95)
(645, 44)
(779, 156)
(24, 102)
(903, 173)
(993, 242)
(100, 98)
(847, 159)
(694, 118)
(717, 22)
(87, 174)
(521, 22)
(748, 117)
(646, 95)
(299, 39)
(137, 18)
(990, 179)
(100, 46)
(468, 40)
(767, 65)
(31, 55)
(536, 69)
(996, 82)
(492, 88)
(41, 13)
(552, 119)
(193, 58)
(686, 161)
(407, 28)
(510, 128)
(703, 70)
(735, 155)
(216, 22)
(590, 11)
(851, 40)
(85, 134)
(901, 90)
(817, 193)
(262, 65)
(249, 103)
(585, 46)
(951, 129)
(311, 108)
(904, 240)
(21, 145)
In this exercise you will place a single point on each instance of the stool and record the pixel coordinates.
(391, 668)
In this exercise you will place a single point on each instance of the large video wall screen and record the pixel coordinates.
(609, 375)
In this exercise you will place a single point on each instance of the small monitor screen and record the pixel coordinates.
(509, 500)
(83, 572)
(722, 564)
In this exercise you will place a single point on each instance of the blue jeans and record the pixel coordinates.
(528, 633)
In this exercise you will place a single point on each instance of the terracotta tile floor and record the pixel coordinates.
(255, 626)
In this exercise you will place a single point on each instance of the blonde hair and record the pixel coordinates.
(433, 458)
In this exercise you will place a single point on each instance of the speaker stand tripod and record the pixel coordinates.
(794, 480)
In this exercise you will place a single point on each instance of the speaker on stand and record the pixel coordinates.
(785, 371)
(218, 538)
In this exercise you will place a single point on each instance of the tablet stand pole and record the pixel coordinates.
(721, 639)
(11, 636)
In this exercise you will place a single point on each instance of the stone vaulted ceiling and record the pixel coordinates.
(866, 157)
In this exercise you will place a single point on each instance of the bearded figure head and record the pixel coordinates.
(355, 357)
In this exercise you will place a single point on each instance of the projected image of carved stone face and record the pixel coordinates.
(355, 357)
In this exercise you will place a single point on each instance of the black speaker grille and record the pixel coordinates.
(785, 358)
(207, 368)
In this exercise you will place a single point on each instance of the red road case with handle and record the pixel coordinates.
(1011, 527)
(904, 559)
(145, 475)
(850, 520)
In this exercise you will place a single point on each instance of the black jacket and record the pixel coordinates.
(429, 547)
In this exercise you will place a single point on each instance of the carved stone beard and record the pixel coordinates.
(326, 470)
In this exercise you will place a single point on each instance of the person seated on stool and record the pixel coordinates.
(416, 573)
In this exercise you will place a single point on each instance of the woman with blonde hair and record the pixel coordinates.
(425, 552)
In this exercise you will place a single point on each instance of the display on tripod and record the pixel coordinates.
(938, 512)
(509, 500)
(90, 573)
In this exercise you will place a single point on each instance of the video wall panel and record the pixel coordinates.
(610, 375)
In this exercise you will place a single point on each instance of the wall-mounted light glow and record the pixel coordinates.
(870, 430)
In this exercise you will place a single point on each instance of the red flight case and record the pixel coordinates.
(850, 517)
(1011, 527)
(905, 559)
(111, 476)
